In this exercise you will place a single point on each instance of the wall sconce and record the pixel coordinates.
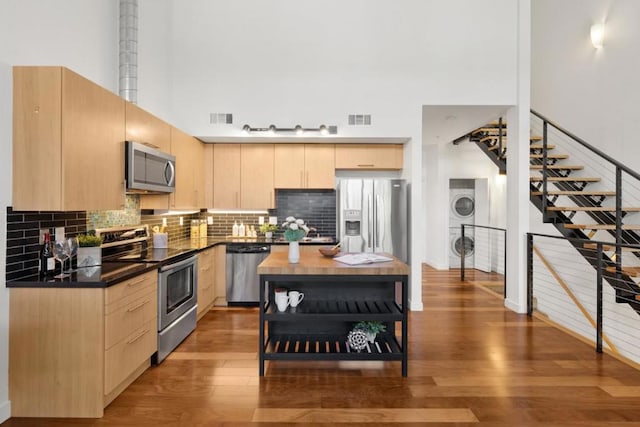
(597, 35)
(298, 130)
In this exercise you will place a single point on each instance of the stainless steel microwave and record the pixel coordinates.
(148, 170)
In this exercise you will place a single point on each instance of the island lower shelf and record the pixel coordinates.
(329, 347)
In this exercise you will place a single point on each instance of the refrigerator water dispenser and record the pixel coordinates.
(352, 222)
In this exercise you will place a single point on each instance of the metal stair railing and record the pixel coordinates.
(553, 273)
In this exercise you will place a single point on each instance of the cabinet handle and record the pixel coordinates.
(124, 194)
(137, 337)
(148, 144)
(307, 185)
(137, 307)
(366, 166)
(301, 179)
(137, 282)
(237, 203)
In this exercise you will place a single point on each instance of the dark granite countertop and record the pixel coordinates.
(109, 274)
(114, 272)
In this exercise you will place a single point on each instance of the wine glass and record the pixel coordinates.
(60, 252)
(72, 249)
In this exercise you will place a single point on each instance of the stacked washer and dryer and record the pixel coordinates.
(462, 206)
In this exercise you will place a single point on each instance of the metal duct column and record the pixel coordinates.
(128, 76)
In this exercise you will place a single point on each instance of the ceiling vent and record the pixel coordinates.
(221, 118)
(359, 119)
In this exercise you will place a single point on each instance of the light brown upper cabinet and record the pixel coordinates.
(256, 176)
(226, 176)
(190, 175)
(189, 154)
(369, 156)
(68, 142)
(142, 126)
(304, 166)
(243, 176)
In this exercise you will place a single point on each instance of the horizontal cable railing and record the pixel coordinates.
(482, 248)
(583, 291)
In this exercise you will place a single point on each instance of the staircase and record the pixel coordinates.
(565, 194)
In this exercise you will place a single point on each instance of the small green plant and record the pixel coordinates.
(89, 240)
(268, 227)
(372, 327)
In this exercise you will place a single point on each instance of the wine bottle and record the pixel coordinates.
(47, 260)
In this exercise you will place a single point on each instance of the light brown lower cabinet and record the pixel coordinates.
(73, 350)
(220, 281)
(206, 281)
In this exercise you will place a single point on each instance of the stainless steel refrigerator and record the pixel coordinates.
(373, 216)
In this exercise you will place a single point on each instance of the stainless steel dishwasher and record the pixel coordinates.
(243, 284)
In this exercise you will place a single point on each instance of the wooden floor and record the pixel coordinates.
(471, 362)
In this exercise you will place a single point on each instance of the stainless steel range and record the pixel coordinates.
(177, 281)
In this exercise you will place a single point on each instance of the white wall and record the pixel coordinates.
(289, 62)
(79, 34)
(587, 91)
(5, 200)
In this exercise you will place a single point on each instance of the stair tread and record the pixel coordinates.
(566, 179)
(609, 248)
(488, 129)
(504, 139)
(575, 193)
(629, 271)
(591, 208)
(550, 156)
(540, 146)
(601, 226)
(560, 167)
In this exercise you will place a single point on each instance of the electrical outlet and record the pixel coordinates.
(209, 220)
(59, 234)
(260, 220)
(273, 220)
(181, 221)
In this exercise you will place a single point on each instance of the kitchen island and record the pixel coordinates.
(336, 296)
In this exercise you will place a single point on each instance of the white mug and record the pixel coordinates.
(295, 298)
(282, 301)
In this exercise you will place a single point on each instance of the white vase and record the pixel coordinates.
(294, 252)
(268, 235)
(89, 256)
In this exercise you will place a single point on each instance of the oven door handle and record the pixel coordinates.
(179, 264)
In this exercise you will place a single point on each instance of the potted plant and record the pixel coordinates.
(371, 328)
(89, 250)
(268, 230)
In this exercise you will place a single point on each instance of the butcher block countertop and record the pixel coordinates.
(277, 263)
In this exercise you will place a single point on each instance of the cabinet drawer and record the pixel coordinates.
(124, 357)
(129, 315)
(138, 285)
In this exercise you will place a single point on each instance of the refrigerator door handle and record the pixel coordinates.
(379, 225)
(371, 221)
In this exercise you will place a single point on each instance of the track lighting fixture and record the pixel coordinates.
(297, 129)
